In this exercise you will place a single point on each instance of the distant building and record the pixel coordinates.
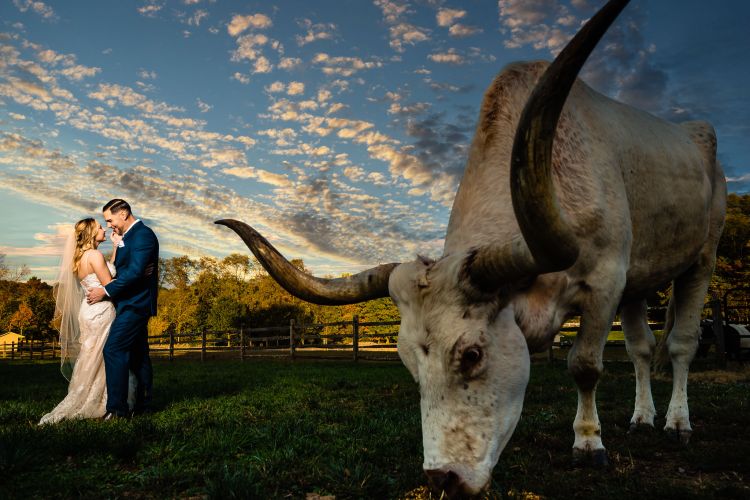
(10, 337)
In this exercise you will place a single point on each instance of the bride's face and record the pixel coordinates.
(100, 234)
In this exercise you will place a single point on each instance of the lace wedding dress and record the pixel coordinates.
(87, 392)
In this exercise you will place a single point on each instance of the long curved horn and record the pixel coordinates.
(367, 285)
(548, 242)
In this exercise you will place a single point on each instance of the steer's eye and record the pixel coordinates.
(470, 359)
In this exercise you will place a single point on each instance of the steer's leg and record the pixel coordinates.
(640, 342)
(688, 295)
(585, 364)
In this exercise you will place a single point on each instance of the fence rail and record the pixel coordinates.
(359, 338)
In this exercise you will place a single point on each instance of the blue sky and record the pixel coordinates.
(337, 129)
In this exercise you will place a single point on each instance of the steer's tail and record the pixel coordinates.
(661, 354)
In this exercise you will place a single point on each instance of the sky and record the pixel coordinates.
(338, 129)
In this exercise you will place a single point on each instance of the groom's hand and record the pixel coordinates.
(115, 238)
(95, 295)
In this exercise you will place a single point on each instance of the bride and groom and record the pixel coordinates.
(103, 309)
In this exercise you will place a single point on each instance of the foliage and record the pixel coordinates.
(236, 291)
(277, 429)
(26, 307)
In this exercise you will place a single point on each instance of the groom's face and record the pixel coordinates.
(117, 220)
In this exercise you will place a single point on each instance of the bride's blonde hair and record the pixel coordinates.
(85, 230)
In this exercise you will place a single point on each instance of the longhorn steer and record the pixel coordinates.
(621, 203)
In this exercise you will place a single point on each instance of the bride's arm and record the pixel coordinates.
(99, 266)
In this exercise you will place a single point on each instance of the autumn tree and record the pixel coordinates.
(21, 319)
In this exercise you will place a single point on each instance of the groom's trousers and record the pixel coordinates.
(126, 350)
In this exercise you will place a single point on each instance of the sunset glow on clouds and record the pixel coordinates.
(339, 133)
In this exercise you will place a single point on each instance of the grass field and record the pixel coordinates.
(277, 429)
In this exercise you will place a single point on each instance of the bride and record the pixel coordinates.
(83, 327)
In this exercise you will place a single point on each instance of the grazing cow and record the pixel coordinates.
(620, 203)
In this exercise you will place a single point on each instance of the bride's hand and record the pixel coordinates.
(115, 238)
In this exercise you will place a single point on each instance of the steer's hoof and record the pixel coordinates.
(681, 435)
(590, 458)
(640, 428)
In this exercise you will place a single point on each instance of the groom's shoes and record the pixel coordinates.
(110, 415)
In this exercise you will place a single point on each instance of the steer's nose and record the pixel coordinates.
(445, 481)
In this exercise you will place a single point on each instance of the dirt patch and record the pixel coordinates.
(730, 375)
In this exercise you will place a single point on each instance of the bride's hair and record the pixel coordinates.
(85, 233)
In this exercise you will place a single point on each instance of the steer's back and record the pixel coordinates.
(629, 182)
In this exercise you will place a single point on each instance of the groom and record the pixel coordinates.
(133, 292)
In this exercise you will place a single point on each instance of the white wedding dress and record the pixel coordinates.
(87, 391)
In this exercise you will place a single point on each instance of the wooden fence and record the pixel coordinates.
(29, 349)
(355, 339)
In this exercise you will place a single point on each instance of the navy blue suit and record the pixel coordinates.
(133, 291)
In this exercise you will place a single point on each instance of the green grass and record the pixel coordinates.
(277, 429)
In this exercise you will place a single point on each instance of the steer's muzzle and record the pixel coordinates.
(448, 482)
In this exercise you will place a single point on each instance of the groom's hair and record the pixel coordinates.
(117, 205)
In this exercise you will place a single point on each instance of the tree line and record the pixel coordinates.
(224, 294)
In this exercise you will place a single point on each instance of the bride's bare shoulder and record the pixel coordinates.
(93, 254)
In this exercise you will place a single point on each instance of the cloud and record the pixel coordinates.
(295, 88)
(243, 79)
(289, 63)
(247, 47)
(239, 23)
(411, 109)
(49, 56)
(197, 17)
(450, 57)
(406, 34)
(79, 72)
(462, 31)
(621, 64)
(262, 65)
(113, 94)
(446, 17)
(320, 219)
(315, 32)
(51, 244)
(40, 8)
(147, 75)
(151, 9)
(275, 87)
(343, 66)
(401, 32)
(203, 107)
(392, 11)
(17, 116)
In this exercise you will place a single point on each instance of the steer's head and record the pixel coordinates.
(472, 365)
(458, 335)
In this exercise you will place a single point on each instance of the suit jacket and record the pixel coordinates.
(133, 287)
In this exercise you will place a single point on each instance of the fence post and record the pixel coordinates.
(54, 346)
(42, 351)
(171, 345)
(12, 350)
(355, 341)
(31, 349)
(242, 342)
(203, 344)
(291, 338)
(5, 350)
(718, 326)
(550, 355)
